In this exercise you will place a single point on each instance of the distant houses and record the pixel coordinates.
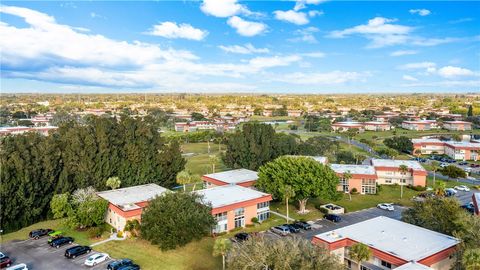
(43, 130)
(420, 125)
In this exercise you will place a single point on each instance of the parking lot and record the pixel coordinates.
(321, 226)
(38, 255)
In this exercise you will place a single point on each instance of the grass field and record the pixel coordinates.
(196, 255)
(198, 160)
(81, 237)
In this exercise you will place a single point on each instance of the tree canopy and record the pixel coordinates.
(400, 143)
(288, 253)
(35, 167)
(175, 219)
(307, 177)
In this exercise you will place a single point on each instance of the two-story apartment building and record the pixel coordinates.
(344, 126)
(457, 125)
(128, 203)
(388, 172)
(394, 245)
(420, 125)
(363, 178)
(377, 126)
(241, 177)
(235, 206)
(462, 150)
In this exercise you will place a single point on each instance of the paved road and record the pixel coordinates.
(38, 255)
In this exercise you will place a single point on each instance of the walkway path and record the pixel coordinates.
(113, 237)
(281, 215)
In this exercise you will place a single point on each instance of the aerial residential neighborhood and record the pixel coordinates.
(239, 135)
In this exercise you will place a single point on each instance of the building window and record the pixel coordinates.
(263, 205)
(263, 215)
(221, 216)
(387, 264)
(345, 185)
(239, 217)
(369, 186)
(388, 181)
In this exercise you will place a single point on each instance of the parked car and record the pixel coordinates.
(462, 188)
(292, 228)
(130, 267)
(386, 206)
(21, 266)
(115, 265)
(240, 237)
(2, 255)
(281, 230)
(96, 259)
(451, 190)
(462, 163)
(333, 217)
(5, 262)
(61, 241)
(76, 251)
(303, 225)
(469, 207)
(54, 235)
(36, 234)
(443, 165)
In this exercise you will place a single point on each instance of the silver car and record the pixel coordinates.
(281, 230)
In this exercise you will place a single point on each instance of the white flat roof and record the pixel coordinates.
(347, 123)
(229, 194)
(126, 197)
(403, 240)
(462, 144)
(412, 164)
(234, 176)
(353, 169)
(427, 140)
(457, 122)
(413, 266)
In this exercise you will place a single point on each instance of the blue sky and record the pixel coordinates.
(305, 46)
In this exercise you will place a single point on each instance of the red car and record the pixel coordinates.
(5, 262)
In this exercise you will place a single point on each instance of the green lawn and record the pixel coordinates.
(196, 255)
(80, 237)
(199, 160)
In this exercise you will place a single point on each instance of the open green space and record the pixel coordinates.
(198, 157)
(196, 255)
(81, 237)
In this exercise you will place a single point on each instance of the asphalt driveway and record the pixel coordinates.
(38, 255)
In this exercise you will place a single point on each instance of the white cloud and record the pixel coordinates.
(246, 28)
(451, 72)
(419, 65)
(474, 84)
(319, 78)
(96, 15)
(403, 52)
(301, 4)
(223, 8)
(383, 32)
(295, 17)
(421, 12)
(314, 54)
(305, 35)
(409, 78)
(50, 52)
(243, 49)
(314, 13)
(174, 30)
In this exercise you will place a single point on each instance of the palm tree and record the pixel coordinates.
(213, 161)
(403, 170)
(435, 166)
(184, 178)
(471, 259)
(440, 189)
(221, 247)
(195, 178)
(288, 193)
(360, 252)
(346, 177)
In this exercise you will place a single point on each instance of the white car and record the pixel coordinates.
(462, 188)
(21, 266)
(386, 206)
(443, 165)
(96, 259)
(452, 190)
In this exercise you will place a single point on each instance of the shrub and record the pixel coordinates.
(254, 220)
(354, 191)
(120, 234)
(321, 209)
(417, 188)
(95, 232)
(249, 225)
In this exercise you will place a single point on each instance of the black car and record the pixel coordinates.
(303, 225)
(463, 163)
(36, 234)
(119, 263)
(76, 251)
(240, 237)
(130, 267)
(469, 207)
(61, 241)
(333, 217)
(292, 228)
